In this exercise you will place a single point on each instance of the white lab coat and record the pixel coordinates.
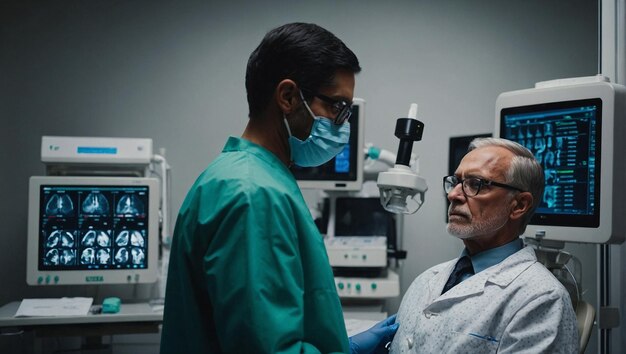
(516, 306)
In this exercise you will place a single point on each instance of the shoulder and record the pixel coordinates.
(530, 281)
(241, 179)
(537, 273)
(246, 172)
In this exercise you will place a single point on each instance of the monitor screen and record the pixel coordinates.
(92, 229)
(344, 171)
(565, 139)
(575, 129)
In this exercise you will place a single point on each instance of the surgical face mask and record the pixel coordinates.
(325, 141)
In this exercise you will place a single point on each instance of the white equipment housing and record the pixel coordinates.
(603, 219)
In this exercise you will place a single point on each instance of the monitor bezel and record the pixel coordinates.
(340, 184)
(35, 276)
(612, 227)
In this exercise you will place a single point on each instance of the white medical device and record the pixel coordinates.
(357, 251)
(402, 190)
(576, 128)
(92, 230)
(345, 171)
(97, 217)
(71, 152)
(358, 232)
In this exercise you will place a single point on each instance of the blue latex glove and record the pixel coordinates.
(374, 339)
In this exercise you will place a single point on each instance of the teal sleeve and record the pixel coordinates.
(254, 276)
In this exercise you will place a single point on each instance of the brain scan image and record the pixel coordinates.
(68, 257)
(89, 239)
(59, 204)
(88, 256)
(121, 256)
(52, 257)
(129, 204)
(122, 238)
(95, 204)
(67, 239)
(59, 237)
(53, 239)
(138, 256)
(136, 239)
(103, 256)
(103, 239)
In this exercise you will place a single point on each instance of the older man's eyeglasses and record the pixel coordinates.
(340, 108)
(472, 185)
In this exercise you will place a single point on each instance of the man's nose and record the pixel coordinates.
(456, 193)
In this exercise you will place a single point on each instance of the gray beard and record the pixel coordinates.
(475, 229)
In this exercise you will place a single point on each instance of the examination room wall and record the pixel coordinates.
(174, 72)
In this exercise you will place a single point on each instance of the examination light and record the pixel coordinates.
(402, 190)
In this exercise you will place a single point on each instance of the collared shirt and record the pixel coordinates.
(491, 257)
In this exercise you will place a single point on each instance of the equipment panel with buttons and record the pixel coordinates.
(348, 287)
(357, 251)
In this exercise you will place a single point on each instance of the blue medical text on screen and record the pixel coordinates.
(342, 160)
(96, 150)
(565, 142)
(93, 227)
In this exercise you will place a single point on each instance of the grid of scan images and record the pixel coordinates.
(93, 227)
(564, 143)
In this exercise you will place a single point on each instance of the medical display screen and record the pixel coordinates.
(342, 167)
(565, 139)
(93, 227)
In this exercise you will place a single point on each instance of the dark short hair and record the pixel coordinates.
(303, 52)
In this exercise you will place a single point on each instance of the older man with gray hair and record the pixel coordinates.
(495, 297)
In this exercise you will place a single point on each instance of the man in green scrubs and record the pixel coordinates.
(248, 269)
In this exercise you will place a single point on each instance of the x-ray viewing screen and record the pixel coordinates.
(565, 139)
(93, 227)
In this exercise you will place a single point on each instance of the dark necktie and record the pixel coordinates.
(463, 267)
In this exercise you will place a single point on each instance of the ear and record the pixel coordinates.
(522, 203)
(286, 95)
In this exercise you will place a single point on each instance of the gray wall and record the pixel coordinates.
(174, 72)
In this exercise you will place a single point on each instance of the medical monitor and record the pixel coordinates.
(345, 171)
(92, 230)
(576, 132)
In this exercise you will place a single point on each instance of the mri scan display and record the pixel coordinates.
(59, 204)
(129, 204)
(138, 255)
(92, 227)
(95, 203)
(103, 256)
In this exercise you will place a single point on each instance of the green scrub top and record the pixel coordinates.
(248, 271)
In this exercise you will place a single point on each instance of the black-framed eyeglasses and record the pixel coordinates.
(472, 185)
(341, 108)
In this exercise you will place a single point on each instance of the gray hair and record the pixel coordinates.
(524, 172)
